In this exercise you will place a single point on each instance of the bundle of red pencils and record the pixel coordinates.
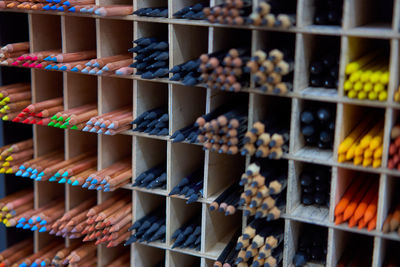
(9, 53)
(39, 113)
(392, 221)
(104, 66)
(13, 98)
(394, 151)
(359, 204)
(108, 222)
(11, 156)
(15, 253)
(110, 123)
(15, 204)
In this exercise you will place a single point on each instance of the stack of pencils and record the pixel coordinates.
(315, 185)
(318, 125)
(324, 71)
(229, 12)
(149, 228)
(359, 204)
(275, 13)
(224, 70)
(72, 223)
(153, 122)
(229, 253)
(223, 129)
(191, 12)
(110, 123)
(364, 144)
(9, 53)
(186, 72)
(367, 77)
(188, 133)
(392, 221)
(58, 5)
(188, 235)
(40, 113)
(108, 222)
(264, 193)
(228, 201)
(394, 152)
(155, 177)
(152, 57)
(104, 66)
(32, 167)
(328, 12)
(191, 186)
(107, 179)
(15, 253)
(14, 205)
(312, 246)
(78, 255)
(260, 244)
(272, 70)
(14, 98)
(161, 12)
(11, 156)
(266, 139)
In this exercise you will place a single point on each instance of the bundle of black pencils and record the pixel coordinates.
(190, 186)
(272, 70)
(155, 177)
(223, 129)
(149, 228)
(161, 12)
(228, 201)
(328, 12)
(154, 122)
(191, 12)
(261, 244)
(275, 13)
(266, 139)
(188, 133)
(152, 57)
(186, 72)
(315, 185)
(264, 193)
(324, 71)
(312, 246)
(318, 125)
(224, 70)
(229, 254)
(189, 235)
(229, 12)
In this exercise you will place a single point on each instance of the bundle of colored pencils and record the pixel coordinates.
(392, 221)
(105, 65)
(186, 72)
(264, 193)
(40, 113)
(84, 254)
(108, 222)
(153, 122)
(191, 186)
(107, 179)
(394, 155)
(229, 253)
(367, 77)
(11, 156)
(12, 206)
(155, 177)
(110, 123)
(229, 12)
(31, 167)
(272, 70)
(149, 228)
(324, 69)
(14, 98)
(9, 53)
(260, 244)
(223, 129)
(228, 201)
(15, 253)
(312, 246)
(152, 57)
(364, 144)
(160, 12)
(224, 70)
(191, 12)
(275, 13)
(188, 235)
(359, 204)
(266, 139)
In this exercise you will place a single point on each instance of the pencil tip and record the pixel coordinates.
(93, 130)
(62, 181)
(60, 8)
(44, 222)
(34, 228)
(52, 179)
(63, 68)
(49, 57)
(19, 225)
(75, 183)
(19, 173)
(96, 65)
(33, 176)
(74, 69)
(41, 174)
(72, 9)
(100, 131)
(48, 67)
(43, 229)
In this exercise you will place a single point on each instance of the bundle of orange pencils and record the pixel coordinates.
(359, 204)
(13, 98)
(392, 221)
(110, 123)
(16, 253)
(15, 204)
(11, 156)
(39, 113)
(394, 151)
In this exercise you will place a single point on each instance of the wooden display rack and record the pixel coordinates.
(188, 39)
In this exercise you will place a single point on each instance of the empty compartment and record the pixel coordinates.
(49, 36)
(177, 259)
(318, 65)
(391, 208)
(144, 256)
(113, 149)
(115, 93)
(116, 37)
(310, 192)
(360, 142)
(369, 14)
(356, 200)
(80, 34)
(79, 90)
(224, 39)
(46, 85)
(389, 256)
(320, 12)
(150, 153)
(151, 29)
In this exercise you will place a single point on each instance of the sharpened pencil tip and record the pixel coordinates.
(62, 181)
(75, 183)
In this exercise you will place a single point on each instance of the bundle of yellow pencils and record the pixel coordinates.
(367, 77)
(13, 98)
(11, 156)
(364, 145)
